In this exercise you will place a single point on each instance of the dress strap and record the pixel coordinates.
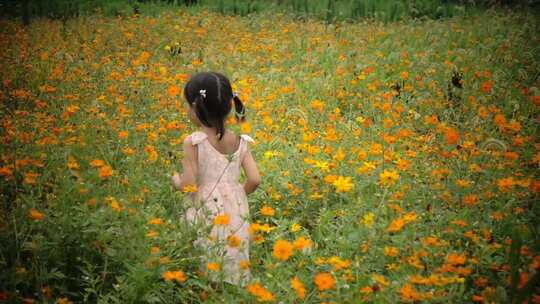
(247, 138)
(197, 137)
(244, 139)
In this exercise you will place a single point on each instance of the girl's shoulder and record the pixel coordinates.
(233, 137)
(243, 137)
(197, 137)
(247, 138)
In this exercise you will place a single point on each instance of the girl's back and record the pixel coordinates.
(213, 163)
(224, 204)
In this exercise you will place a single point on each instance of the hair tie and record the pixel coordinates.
(203, 93)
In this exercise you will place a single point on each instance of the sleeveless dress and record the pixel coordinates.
(221, 205)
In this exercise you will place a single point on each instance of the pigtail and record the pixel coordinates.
(239, 109)
(200, 110)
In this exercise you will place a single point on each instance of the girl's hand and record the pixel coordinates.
(175, 180)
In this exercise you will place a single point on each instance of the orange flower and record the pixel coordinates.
(396, 225)
(456, 259)
(233, 240)
(105, 172)
(282, 249)
(260, 292)
(267, 211)
(301, 243)
(324, 281)
(97, 163)
(499, 120)
(244, 264)
(72, 163)
(155, 221)
(222, 219)
(123, 134)
(409, 293)
(30, 178)
(451, 136)
(35, 214)
(173, 91)
(213, 266)
(505, 184)
(178, 276)
(470, 200)
(245, 127)
(297, 285)
(487, 86)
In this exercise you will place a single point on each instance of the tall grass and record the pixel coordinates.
(329, 10)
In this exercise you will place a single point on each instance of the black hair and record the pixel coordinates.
(215, 103)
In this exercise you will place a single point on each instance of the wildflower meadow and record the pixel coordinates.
(399, 160)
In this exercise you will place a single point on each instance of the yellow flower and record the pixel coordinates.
(190, 189)
(388, 177)
(366, 167)
(368, 219)
(295, 227)
(381, 279)
(343, 184)
(322, 165)
(222, 219)
(115, 205)
(391, 251)
(282, 249)
(72, 163)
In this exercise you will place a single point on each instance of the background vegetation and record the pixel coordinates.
(329, 10)
(400, 161)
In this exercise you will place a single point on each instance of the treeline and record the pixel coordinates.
(330, 10)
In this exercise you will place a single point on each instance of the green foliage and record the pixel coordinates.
(73, 86)
(329, 10)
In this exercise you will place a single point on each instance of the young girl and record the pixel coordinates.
(213, 156)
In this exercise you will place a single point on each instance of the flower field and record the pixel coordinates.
(399, 161)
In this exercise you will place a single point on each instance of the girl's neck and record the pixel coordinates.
(210, 131)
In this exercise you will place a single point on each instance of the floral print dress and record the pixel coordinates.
(221, 203)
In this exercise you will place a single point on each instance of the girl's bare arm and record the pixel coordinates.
(189, 167)
(253, 179)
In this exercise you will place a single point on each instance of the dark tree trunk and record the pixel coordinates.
(25, 12)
